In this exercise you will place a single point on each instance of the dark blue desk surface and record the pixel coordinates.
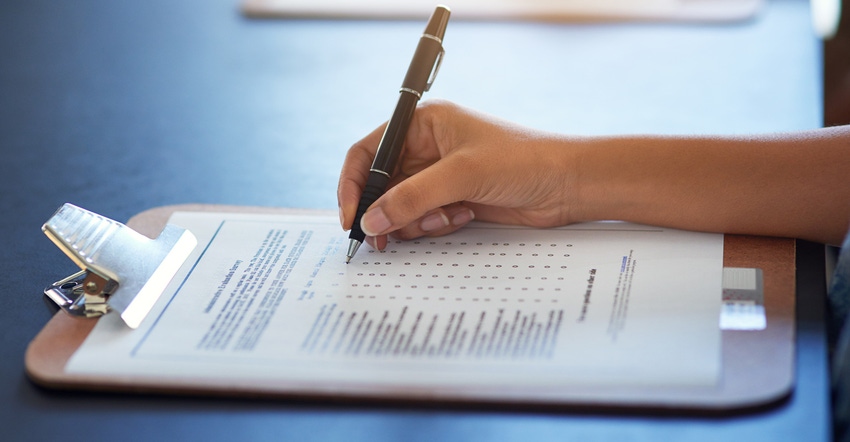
(123, 106)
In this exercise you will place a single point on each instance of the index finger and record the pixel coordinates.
(354, 173)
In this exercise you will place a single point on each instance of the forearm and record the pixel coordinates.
(795, 185)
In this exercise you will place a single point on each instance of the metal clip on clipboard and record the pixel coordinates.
(122, 269)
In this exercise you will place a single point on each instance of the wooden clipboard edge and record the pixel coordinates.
(745, 385)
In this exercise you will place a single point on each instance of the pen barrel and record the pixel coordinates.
(376, 185)
(392, 142)
(438, 22)
(416, 81)
(423, 64)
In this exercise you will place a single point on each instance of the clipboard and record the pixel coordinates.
(757, 365)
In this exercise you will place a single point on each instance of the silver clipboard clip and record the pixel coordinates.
(122, 269)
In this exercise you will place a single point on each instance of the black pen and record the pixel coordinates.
(423, 68)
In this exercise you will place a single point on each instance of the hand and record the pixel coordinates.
(458, 165)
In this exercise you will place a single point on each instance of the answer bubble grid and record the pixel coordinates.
(530, 271)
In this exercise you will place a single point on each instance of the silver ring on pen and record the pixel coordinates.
(414, 92)
(433, 37)
(380, 171)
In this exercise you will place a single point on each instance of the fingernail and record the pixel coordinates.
(374, 222)
(434, 221)
(463, 217)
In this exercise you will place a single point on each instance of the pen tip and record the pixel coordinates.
(353, 245)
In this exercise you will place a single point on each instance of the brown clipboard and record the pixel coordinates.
(757, 365)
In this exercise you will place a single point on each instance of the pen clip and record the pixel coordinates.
(436, 69)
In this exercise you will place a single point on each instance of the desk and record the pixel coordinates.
(123, 106)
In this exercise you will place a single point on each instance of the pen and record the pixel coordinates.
(420, 75)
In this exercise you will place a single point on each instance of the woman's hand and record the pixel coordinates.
(458, 165)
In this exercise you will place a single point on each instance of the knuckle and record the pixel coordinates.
(358, 151)
(432, 104)
(437, 108)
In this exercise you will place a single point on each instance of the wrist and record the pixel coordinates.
(607, 179)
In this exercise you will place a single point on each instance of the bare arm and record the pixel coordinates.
(793, 185)
(459, 165)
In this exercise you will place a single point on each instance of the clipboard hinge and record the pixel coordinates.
(122, 270)
(83, 294)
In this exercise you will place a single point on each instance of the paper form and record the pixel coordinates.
(270, 297)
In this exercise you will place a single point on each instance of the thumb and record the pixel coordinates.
(409, 200)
